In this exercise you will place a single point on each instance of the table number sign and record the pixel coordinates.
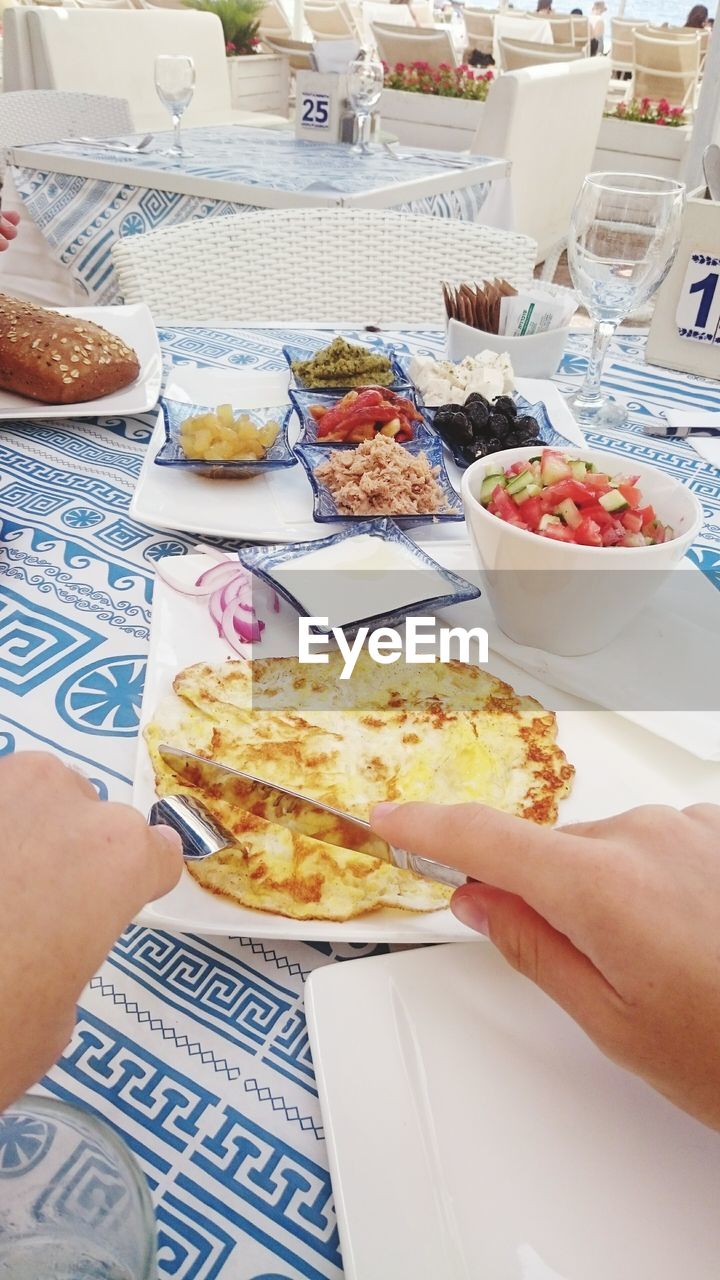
(319, 106)
(685, 330)
(698, 309)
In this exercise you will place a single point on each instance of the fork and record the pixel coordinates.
(111, 144)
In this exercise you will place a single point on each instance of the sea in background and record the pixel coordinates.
(674, 12)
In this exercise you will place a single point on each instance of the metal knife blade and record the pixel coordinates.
(288, 808)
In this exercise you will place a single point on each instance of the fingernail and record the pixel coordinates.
(470, 910)
(381, 811)
(168, 833)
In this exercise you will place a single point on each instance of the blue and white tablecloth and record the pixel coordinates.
(81, 216)
(194, 1048)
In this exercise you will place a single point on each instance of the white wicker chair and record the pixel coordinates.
(44, 115)
(314, 266)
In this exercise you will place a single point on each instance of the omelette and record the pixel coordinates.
(442, 732)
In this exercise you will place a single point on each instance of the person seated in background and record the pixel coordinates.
(597, 28)
(697, 17)
(544, 6)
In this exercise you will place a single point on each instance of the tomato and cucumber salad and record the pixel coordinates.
(569, 500)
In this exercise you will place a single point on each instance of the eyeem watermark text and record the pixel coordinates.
(422, 641)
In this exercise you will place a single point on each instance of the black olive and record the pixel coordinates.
(493, 444)
(497, 425)
(526, 423)
(505, 406)
(477, 414)
(475, 397)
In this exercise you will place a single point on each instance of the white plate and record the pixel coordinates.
(618, 766)
(275, 507)
(135, 325)
(475, 1133)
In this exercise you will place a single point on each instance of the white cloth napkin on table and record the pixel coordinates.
(707, 446)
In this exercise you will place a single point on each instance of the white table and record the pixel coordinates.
(83, 198)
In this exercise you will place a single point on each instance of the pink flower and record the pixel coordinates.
(399, 68)
(645, 104)
(663, 107)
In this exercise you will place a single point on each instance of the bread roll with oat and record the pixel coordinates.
(58, 359)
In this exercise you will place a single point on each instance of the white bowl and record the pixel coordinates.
(569, 599)
(536, 356)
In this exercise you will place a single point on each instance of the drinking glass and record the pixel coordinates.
(175, 84)
(365, 78)
(73, 1203)
(624, 233)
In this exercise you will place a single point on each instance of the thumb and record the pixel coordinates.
(542, 954)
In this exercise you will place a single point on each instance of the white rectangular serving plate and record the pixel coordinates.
(135, 325)
(276, 507)
(475, 1133)
(618, 766)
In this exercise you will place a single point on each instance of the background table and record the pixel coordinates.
(82, 198)
(194, 1048)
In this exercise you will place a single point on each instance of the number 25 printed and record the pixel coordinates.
(316, 111)
(698, 310)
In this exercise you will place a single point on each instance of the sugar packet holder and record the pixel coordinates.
(535, 311)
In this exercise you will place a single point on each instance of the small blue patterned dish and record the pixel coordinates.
(546, 431)
(265, 562)
(325, 508)
(400, 378)
(303, 400)
(171, 453)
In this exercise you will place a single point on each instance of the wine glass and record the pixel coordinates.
(175, 84)
(365, 77)
(624, 233)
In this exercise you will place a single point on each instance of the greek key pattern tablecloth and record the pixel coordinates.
(81, 217)
(196, 1049)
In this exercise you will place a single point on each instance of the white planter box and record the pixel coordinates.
(630, 147)
(427, 120)
(259, 82)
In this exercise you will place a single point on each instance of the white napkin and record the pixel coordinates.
(707, 446)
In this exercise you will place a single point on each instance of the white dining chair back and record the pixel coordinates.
(546, 121)
(314, 266)
(562, 27)
(581, 32)
(667, 69)
(105, 4)
(274, 21)
(35, 116)
(394, 15)
(516, 54)
(114, 52)
(480, 27)
(31, 115)
(330, 21)
(621, 44)
(299, 53)
(396, 44)
(671, 33)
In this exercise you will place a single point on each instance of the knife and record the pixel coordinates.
(202, 835)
